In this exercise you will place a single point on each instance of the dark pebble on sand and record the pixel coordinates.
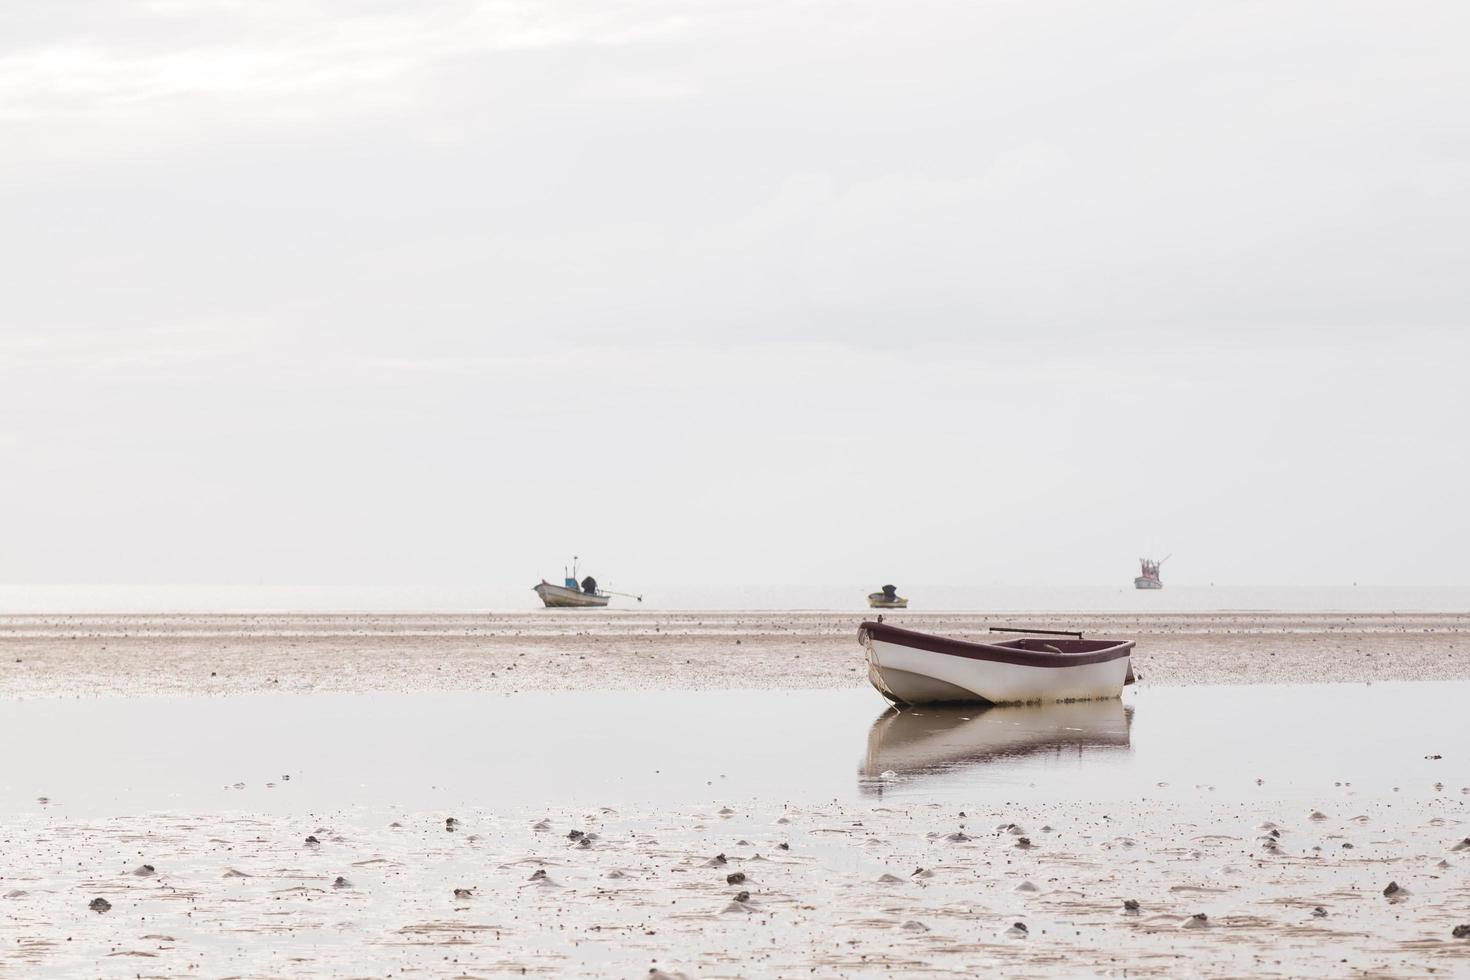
(311, 839)
(1130, 905)
(341, 883)
(469, 893)
(1461, 932)
(575, 834)
(735, 879)
(99, 905)
(784, 846)
(538, 875)
(744, 897)
(143, 870)
(450, 823)
(1319, 913)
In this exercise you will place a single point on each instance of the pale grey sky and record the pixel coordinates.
(1010, 292)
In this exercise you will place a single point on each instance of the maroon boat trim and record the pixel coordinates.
(1026, 652)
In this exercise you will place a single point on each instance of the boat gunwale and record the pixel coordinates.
(1002, 652)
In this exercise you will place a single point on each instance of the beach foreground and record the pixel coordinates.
(741, 890)
(302, 796)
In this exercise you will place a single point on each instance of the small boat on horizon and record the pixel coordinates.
(572, 594)
(887, 598)
(909, 667)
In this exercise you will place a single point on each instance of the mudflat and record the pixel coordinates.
(112, 655)
(1235, 888)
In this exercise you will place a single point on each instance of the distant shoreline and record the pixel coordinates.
(943, 599)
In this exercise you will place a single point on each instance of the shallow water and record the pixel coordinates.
(315, 752)
(1118, 596)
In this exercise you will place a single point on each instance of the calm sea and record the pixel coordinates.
(472, 598)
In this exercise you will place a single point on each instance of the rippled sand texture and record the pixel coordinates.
(549, 650)
(861, 891)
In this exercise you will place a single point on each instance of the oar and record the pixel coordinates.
(1018, 629)
(625, 595)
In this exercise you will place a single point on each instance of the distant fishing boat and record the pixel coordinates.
(1149, 579)
(909, 667)
(572, 594)
(888, 598)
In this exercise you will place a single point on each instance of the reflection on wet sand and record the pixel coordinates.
(918, 741)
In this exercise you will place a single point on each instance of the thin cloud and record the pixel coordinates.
(282, 51)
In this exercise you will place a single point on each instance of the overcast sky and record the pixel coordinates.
(1005, 292)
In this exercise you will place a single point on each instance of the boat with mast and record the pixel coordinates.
(572, 594)
(1149, 577)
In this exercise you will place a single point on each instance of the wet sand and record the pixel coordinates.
(113, 655)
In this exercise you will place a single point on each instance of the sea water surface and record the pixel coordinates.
(303, 753)
(944, 597)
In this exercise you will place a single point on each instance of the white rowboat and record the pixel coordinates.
(908, 667)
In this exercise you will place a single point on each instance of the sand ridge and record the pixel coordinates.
(131, 655)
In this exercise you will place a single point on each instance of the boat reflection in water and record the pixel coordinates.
(934, 740)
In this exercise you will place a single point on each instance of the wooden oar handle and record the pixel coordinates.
(1018, 629)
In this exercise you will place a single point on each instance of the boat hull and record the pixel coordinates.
(561, 597)
(918, 668)
(1147, 583)
(876, 600)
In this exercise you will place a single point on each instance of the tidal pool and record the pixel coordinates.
(303, 753)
